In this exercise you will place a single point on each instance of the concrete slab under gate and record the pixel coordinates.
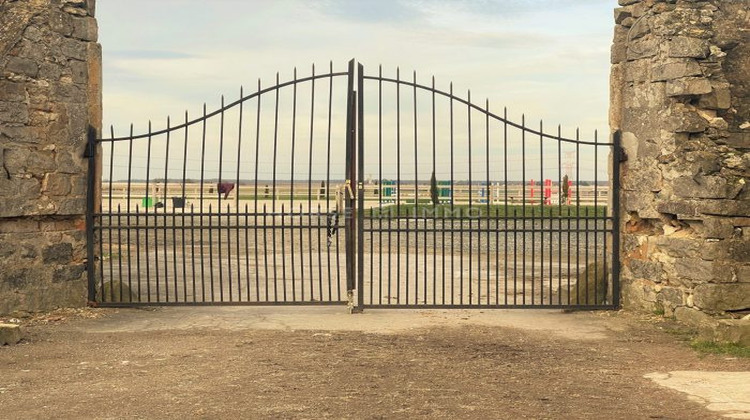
(578, 326)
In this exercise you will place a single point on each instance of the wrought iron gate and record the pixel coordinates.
(390, 193)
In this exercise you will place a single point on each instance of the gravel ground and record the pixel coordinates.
(74, 367)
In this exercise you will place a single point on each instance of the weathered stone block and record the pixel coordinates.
(719, 98)
(72, 206)
(85, 29)
(738, 140)
(12, 91)
(688, 86)
(701, 187)
(58, 253)
(68, 273)
(22, 65)
(693, 317)
(61, 23)
(644, 47)
(717, 228)
(647, 270)
(693, 269)
(14, 113)
(683, 46)
(717, 298)
(643, 178)
(621, 13)
(686, 121)
(728, 249)
(619, 50)
(637, 71)
(724, 207)
(638, 201)
(639, 295)
(675, 70)
(73, 48)
(682, 209)
(732, 331)
(56, 184)
(10, 334)
(671, 296)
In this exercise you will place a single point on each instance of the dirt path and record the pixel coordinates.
(284, 363)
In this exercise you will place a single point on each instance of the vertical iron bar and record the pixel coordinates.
(291, 188)
(380, 196)
(90, 209)
(437, 206)
(247, 253)
(109, 206)
(309, 190)
(127, 206)
(471, 204)
(559, 214)
(416, 196)
(265, 255)
(328, 185)
(578, 213)
(360, 191)
(200, 200)
(219, 208)
(182, 195)
(320, 261)
(542, 198)
(515, 252)
(138, 255)
(164, 218)
(211, 251)
(255, 197)
(453, 195)
(148, 265)
(273, 188)
(523, 207)
(119, 253)
(488, 191)
(615, 191)
(192, 248)
(283, 252)
(237, 203)
(596, 218)
(351, 176)
(505, 202)
(398, 193)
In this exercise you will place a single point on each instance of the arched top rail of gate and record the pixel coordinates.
(485, 110)
(330, 74)
(243, 98)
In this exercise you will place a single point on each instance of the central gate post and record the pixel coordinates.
(350, 185)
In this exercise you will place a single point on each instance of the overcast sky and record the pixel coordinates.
(548, 59)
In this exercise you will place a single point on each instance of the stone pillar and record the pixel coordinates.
(680, 96)
(50, 94)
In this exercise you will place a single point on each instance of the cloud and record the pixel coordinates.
(371, 11)
(148, 54)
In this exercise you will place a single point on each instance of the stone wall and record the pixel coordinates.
(680, 96)
(50, 94)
